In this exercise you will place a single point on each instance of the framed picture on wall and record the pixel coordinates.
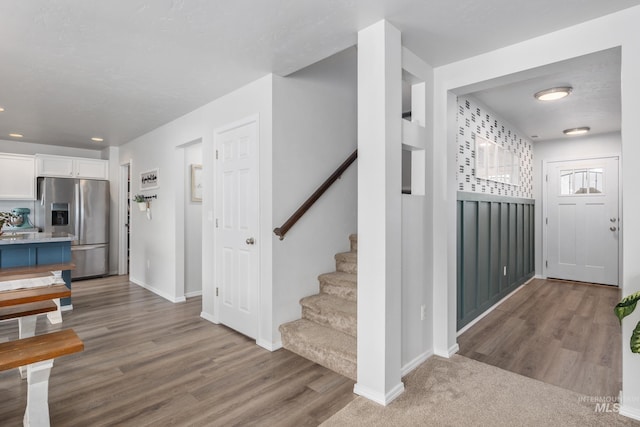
(196, 183)
(149, 179)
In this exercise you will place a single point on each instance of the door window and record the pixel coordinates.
(581, 181)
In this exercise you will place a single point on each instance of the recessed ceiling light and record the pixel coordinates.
(1, 109)
(553, 94)
(577, 131)
(16, 135)
(96, 139)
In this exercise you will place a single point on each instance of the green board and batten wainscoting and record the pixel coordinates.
(493, 232)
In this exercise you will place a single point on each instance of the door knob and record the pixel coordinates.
(612, 228)
(612, 219)
(250, 241)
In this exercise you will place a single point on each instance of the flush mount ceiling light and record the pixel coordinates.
(96, 139)
(16, 135)
(553, 94)
(577, 131)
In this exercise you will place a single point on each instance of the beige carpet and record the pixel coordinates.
(462, 392)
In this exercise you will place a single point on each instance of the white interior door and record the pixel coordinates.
(237, 227)
(583, 220)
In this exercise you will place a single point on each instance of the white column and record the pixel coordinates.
(443, 181)
(379, 213)
(629, 221)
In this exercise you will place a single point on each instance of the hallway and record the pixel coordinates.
(561, 333)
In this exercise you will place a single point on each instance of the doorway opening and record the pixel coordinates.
(124, 218)
(189, 220)
(494, 335)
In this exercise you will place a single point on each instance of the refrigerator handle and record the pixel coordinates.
(78, 211)
(42, 185)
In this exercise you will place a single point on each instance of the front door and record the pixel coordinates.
(237, 227)
(583, 220)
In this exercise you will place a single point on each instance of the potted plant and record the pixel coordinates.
(141, 201)
(624, 308)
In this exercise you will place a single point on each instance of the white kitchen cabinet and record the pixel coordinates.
(17, 177)
(91, 168)
(71, 167)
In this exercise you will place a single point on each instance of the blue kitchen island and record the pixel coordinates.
(32, 249)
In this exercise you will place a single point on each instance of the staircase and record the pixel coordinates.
(326, 334)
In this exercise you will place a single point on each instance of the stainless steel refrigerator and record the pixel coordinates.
(79, 207)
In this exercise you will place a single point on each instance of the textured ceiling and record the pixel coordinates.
(594, 101)
(117, 69)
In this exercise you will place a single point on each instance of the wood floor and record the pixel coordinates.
(562, 333)
(150, 362)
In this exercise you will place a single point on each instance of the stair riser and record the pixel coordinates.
(340, 364)
(342, 291)
(346, 266)
(339, 321)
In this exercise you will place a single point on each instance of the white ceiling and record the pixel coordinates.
(594, 101)
(71, 70)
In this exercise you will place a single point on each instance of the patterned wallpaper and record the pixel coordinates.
(473, 118)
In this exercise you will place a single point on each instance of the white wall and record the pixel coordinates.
(314, 112)
(619, 29)
(192, 225)
(565, 149)
(155, 243)
(417, 267)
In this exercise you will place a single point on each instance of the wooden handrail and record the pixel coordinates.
(282, 230)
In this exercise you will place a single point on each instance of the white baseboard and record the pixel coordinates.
(490, 309)
(628, 412)
(269, 345)
(157, 291)
(416, 362)
(383, 400)
(453, 350)
(193, 294)
(210, 317)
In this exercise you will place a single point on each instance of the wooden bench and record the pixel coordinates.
(8, 272)
(38, 354)
(27, 315)
(17, 297)
(26, 293)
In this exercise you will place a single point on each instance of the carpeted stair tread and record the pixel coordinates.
(324, 346)
(353, 239)
(340, 284)
(347, 262)
(331, 311)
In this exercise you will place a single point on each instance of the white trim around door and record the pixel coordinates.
(581, 235)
